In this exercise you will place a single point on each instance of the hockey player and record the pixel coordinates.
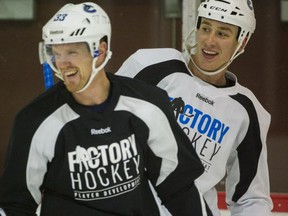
(91, 144)
(224, 121)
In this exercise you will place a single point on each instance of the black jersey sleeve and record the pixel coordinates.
(15, 198)
(16, 195)
(177, 190)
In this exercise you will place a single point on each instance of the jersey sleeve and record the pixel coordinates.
(15, 198)
(179, 167)
(137, 65)
(247, 183)
(131, 66)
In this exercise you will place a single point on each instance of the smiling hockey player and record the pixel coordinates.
(224, 121)
(94, 142)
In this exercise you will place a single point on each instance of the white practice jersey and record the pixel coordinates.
(227, 127)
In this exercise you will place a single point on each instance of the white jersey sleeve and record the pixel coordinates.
(252, 198)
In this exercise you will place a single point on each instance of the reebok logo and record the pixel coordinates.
(56, 32)
(101, 131)
(205, 99)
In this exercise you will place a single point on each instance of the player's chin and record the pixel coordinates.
(72, 87)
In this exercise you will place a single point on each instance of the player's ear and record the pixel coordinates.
(103, 48)
(102, 53)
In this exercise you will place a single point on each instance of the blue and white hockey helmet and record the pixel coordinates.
(73, 23)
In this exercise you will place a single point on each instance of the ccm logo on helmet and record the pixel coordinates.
(218, 9)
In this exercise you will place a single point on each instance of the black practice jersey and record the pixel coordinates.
(82, 161)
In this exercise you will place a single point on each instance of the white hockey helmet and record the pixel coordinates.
(85, 22)
(236, 12)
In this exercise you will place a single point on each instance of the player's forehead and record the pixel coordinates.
(70, 46)
(218, 24)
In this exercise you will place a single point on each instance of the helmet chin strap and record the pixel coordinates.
(189, 49)
(95, 70)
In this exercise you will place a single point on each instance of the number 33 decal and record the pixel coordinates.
(60, 17)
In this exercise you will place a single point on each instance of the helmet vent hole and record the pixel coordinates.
(205, 5)
(234, 13)
(222, 17)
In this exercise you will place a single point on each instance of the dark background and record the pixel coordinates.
(142, 24)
